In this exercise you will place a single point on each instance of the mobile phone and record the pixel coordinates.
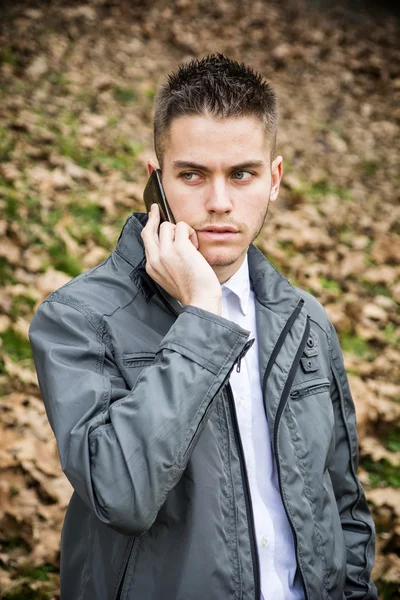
(154, 194)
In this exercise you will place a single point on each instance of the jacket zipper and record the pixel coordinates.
(282, 404)
(313, 389)
(247, 495)
(278, 346)
(122, 581)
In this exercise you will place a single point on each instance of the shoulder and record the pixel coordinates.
(316, 312)
(95, 294)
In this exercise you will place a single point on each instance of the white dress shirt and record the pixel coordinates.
(274, 538)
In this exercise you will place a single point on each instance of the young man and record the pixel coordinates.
(199, 400)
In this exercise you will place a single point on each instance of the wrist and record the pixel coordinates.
(213, 305)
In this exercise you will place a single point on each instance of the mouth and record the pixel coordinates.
(218, 232)
(220, 229)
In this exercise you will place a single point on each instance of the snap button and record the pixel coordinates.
(309, 364)
(311, 347)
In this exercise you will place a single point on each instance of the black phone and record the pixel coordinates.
(154, 194)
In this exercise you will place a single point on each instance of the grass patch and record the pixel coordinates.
(11, 203)
(369, 167)
(8, 57)
(125, 95)
(3, 370)
(86, 210)
(13, 543)
(52, 218)
(40, 573)
(355, 345)
(288, 248)
(15, 346)
(392, 334)
(22, 306)
(88, 223)
(6, 145)
(120, 157)
(62, 261)
(382, 473)
(113, 121)
(330, 284)
(376, 289)
(323, 188)
(6, 272)
(392, 440)
(59, 80)
(89, 100)
(68, 146)
(150, 93)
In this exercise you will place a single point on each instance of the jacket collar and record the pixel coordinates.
(270, 287)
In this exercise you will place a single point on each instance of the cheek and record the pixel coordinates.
(252, 206)
(177, 198)
(187, 204)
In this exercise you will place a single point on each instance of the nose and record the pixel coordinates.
(218, 200)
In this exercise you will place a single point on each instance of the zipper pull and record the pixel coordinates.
(246, 347)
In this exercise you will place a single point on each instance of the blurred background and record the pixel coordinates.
(77, 83)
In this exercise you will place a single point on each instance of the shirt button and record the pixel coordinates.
(264, 542)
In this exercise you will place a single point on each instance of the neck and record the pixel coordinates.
(225, 272)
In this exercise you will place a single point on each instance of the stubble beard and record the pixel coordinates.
(227, 262)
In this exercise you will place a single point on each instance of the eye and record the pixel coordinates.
(190, 176)
(242, 175)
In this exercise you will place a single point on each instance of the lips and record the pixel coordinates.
(219, 229)
(218, 233)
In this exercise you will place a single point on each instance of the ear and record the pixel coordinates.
(276, 173)
(151, 166)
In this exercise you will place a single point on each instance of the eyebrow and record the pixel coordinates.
(183, 164)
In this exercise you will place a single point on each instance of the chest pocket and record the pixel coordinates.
(132, 360)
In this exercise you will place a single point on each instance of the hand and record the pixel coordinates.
(174, 262)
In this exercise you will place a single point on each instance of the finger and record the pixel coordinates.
(154, 217)
(185, 232)
(166, 235)
(194, 239)
(150, 235)
(152, 224)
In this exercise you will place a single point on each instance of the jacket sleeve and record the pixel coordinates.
(357, 525)
(124, 450)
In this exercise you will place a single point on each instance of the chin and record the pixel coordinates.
(220, 258)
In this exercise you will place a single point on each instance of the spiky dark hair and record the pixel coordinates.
(217, 86)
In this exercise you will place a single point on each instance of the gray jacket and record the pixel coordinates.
(137, 392)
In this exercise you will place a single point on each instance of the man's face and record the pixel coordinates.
(217, 173)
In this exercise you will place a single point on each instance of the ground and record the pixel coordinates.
(77, 83)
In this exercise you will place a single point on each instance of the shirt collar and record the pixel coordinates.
(239, 284)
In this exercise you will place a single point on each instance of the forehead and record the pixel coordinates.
(200, 138)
